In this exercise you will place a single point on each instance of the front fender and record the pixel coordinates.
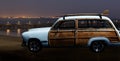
(106, 40)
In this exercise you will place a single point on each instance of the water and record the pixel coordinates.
(8, 32)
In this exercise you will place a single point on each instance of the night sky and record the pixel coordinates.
(57, 7)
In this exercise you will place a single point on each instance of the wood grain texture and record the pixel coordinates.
(78, 37)
(62, 38)
(84, 36)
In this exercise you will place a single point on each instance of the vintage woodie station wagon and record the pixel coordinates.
(93, 30)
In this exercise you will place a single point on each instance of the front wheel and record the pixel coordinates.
(97, 46)
(34, 46)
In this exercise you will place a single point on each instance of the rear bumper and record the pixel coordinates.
(115, 44)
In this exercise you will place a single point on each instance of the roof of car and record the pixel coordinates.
(82, 17)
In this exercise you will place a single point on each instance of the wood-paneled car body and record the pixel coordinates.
(95, 31)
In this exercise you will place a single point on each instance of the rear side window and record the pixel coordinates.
(94, 24)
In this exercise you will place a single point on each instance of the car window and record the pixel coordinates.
(94, 24)
(82, 24)
(68, 24)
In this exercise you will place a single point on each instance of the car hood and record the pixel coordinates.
(38, 33)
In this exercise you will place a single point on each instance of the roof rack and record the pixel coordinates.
(86, 14)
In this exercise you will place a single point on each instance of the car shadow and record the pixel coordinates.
(61, 54)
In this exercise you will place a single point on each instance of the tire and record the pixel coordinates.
(97, 46)
(34, 45)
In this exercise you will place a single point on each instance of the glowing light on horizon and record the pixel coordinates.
(18, 23)
(8, 23)
(23, 16)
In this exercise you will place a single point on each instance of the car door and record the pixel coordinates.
(62, 34)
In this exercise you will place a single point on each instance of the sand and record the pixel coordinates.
(11, 50)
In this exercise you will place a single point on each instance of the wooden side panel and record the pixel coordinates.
(94, 34)
(61, 34)
(61, 38)
(84, 36)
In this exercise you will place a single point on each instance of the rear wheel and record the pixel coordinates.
(34, 45)
(97, 46)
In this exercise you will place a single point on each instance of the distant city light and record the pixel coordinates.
(28, 17)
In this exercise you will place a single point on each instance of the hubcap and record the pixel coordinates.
(34, 46)
(98, 46)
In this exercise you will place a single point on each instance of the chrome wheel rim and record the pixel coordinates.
(98, 46)
(34, 46)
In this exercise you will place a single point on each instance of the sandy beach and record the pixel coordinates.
(11, 50)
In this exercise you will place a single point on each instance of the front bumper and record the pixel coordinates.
(23, 44)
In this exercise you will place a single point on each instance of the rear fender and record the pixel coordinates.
(104, 39)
